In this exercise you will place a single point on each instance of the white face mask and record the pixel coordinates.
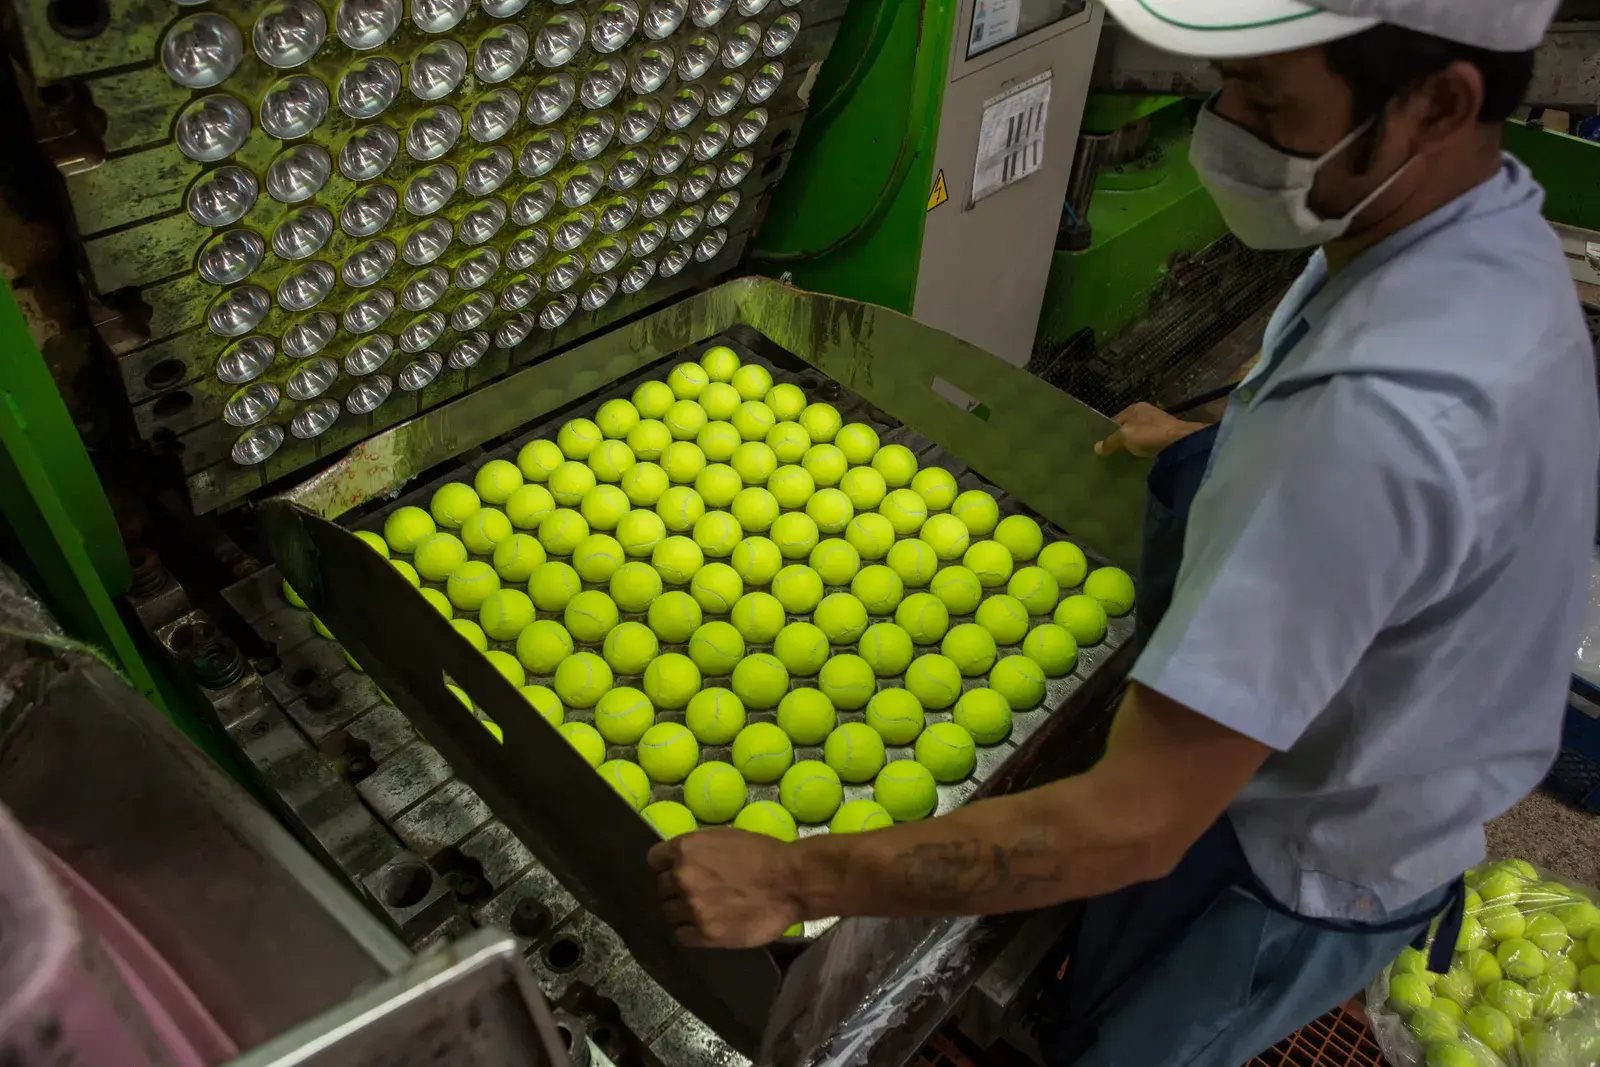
(1263, 192)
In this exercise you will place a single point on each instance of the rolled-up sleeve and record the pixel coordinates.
(1329, 516)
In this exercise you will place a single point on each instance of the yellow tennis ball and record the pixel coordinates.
(978, 510)
(864, 487)
(946, 535)
(716, 648)
(1021, 535)
(936, 486)
(767, 818)
(855, 752)
(470, 585)
(806, 716)
(718, 484)
(924, 616)
(546, 703)
(879, 589)
(683, 462)
(831, 510)
(674, 617)
(1036, 589)
(649, 439)
(652, 399)
(643, 484)
(1112, 587)
(688, 380)
(1066, 563)
(407, 571)
(505, 613)
(472, 632)
(629, 648)
(897, 465)
(715, 716)
(971, 648)
(752, 380)
(801, 648)
(552, 584)
(947, 751)
(405, 529)
(788, 441)
(509, 668)
(640, 531)
(577, 438)
(539, 459)
(629, 780)
(542, 645)
(587, 740)
(934, 680)
(798, 588)
(526, 507)
(438, 600)
(897, 716)
(821, 421)
(755, 509)
(791, 486)
(453, 504)
(758, 617)
(1052, 648)
(685, 419)
(603, 507)
(597, 557)
(754, 420)
(825, 463)
(438, 557)
(990, 561)
(496, 480)
(720, 401)
(847, 681)
(373, 541)
(985, 715)
(616, 418)
(887, 649)
(516, 557)
(795, 534)
(669, 819)
(760, 681)
(905, 511)
(561, 531)
(590, 615)
(569, 482)
(715, 792)
(668, 752)
(1005, 618)
(871, 535)
(859, 817)
(582, 679)
(914, 562)
(761, 752)
(835, 560)
(842, 617)
(717, 533)
(610, 460)
(787, 401)
(677, 559)
(719, 362)
(755, 462)
(635, 586)
(810, 790)
(1020, 681)
(858, 442)
(671, 679)
(906, 790)
(719, 441)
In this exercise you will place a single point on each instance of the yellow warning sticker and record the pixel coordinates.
(940, 193)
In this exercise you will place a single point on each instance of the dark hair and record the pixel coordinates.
(1389, 62)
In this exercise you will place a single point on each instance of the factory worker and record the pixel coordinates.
(1360, 630)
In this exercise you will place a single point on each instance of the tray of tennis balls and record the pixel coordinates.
(741, 607)
(1523, 988)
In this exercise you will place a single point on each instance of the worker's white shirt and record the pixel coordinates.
(1385, 569)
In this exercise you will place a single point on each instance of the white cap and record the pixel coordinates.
(1230, 29)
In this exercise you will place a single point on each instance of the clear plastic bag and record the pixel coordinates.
(1523, 988)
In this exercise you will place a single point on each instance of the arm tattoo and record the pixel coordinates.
(957, 870)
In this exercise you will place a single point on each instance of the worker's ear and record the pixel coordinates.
(1445, 105)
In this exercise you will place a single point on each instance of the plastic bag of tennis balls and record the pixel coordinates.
(1523, 989)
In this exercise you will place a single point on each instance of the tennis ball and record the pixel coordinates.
(754, 420)
(896, 715)
(924, 617)
(496, 480)
(587, 740)
(582, 679)
(652, 399)
(677, 559)
(858, 442)
(472, 632)
(629, 648)
(914, 562)
(860, 816)
(825, 463)
(831, 510)
(718, 441)
(679, 509)
(1430, 1024)
(597, 557)
(538, 459)
(1065, 562)
(985, 715)
(408, 527)
(616, 418)
(1052, 648)
(719, 362)
(1490, 1026)
(470, 585)
(947, 750)
(879, 589)
(669, 819)
(527, 507)
(887, 649)
(649, 440)
(715, 716)
(1547, 998)
(504, 614)
(561, 531)
(623, 715)
(847, 681)
(718, 484)
(1020, 681)
(683, 463)
(553, 584)
(1503, 921)
(635, 587)
(715, 792)
(1114, 589)
(786, 401)
(936, 486)
(294, 598)
(871, 535)
(821, 421)
(716, 647)
(1581, 917)
(1021, 536)
(1471, 936)
(756, 560)
(855, 752)
(668, 752)
(545, 702)
(671, 680)
(640, 532)
(842, 617)
(610, 460)
(958, 589)
(1481, 965)
(1589, 980)
(509, 668)
(759, 617)
(717, 533)
(603, 507)
(1548, 933)
(1515, 1002)
(684, 420)
(590, 615)
(1452, 1054)
(905, 789)
(1520, 958)
(1005, 618)
(716, 588)
(517, 556)
(1409, 993)
(791, 486)
(629, 780)
(897, 465)
(810, 790)
(1456, 987)
(1083, 617)
(788, 441)
(438, 600)
(577, 438)
(760, 681)
(978, 512)
(765, 817)
(407, 571)
(755, 509)
(453, 504)
(990, 561)
(801, 648)
(1035, 589)
(753, 381)
(795, 534)
(864, 487)
(970, 647)
(798, 588)
(806, 716)
(688, 380)
(438, 557)
(934, 680)
(674, 617)
(754, 462)
(761, 752)
(835, 560)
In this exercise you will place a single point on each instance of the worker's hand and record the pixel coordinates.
(1146, 431)
(727, 888)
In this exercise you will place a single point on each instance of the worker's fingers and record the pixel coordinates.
(681, 912)
(667, 885)
(1129, 413)
(1110, 446)
(664, 857)
(691, 937)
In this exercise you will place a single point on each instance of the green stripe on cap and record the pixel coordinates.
(1224, 28)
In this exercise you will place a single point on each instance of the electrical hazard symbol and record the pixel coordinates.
(940, 192)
